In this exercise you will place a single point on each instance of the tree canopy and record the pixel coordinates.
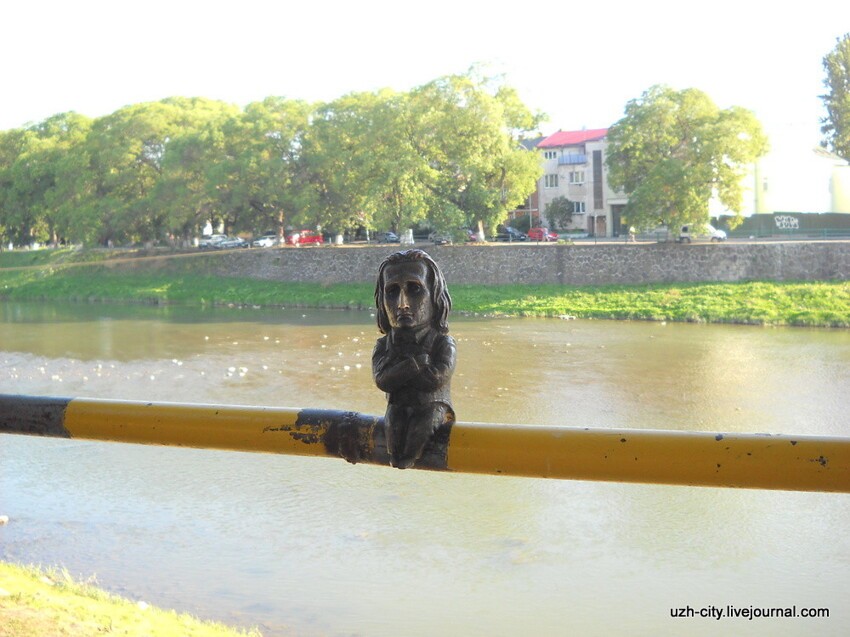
(675, 150)
(445, 154)
(560, 213)
(836, 125)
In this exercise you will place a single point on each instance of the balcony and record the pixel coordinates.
(572, 160)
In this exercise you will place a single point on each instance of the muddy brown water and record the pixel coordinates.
(311, 546)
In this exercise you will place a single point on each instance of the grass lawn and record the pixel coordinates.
(35, 603)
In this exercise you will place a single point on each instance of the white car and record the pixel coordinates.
(692, 232)
(266, 241)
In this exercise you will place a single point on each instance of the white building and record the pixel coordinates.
(794, 176)
(574, 167)
(811, 180)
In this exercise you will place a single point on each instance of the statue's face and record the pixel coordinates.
(407, 299)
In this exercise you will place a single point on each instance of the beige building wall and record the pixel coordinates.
(596, 219)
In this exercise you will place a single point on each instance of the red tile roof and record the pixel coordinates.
(572, 138)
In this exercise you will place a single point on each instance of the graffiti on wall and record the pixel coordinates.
(787, 222)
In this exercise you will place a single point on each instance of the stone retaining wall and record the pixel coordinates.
(582, 264)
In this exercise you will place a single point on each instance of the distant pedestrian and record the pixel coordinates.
(632, 233)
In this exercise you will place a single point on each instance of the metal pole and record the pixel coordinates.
(760, 461)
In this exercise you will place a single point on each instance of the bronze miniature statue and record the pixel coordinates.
(413, 362)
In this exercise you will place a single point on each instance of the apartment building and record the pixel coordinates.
(574, 167)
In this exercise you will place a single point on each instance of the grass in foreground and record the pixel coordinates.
(35, 603)
(813, 304)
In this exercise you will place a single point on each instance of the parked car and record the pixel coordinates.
(439, 238)
(686, 233)
(542, 234)
(232, 242)
(304, 237)
(507, 233)
(211, 240)
(386, 237)
(266, 241)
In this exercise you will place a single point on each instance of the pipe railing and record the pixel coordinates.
(758, 461)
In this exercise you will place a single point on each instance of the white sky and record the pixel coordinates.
(579, 62)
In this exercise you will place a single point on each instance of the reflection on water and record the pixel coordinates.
(318, 547)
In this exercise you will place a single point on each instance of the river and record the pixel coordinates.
(313, 546)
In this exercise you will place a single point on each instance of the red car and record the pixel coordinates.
(304, 237)
(541, 234)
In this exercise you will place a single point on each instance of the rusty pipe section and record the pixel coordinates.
(759, 461)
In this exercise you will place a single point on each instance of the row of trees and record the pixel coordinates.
(445, 154)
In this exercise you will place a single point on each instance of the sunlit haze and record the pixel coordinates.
(577, 62)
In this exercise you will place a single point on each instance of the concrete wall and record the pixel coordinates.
(565, 264)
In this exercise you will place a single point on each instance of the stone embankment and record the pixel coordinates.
(581, 264)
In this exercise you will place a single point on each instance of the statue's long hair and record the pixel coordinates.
(440, 298)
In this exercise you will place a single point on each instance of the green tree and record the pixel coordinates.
(468, 128)
(336, 164)
(239, 169)
(183, 188)
(125, 155)
(24, 181)
(35, 196)
(60, 138)
(260, 178)
(363, 166)
(11, 144)
(560, 212)
(836, 125)
(398, 176)
(675, 150)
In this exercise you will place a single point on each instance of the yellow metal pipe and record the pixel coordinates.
(208, 426)
(803, 463)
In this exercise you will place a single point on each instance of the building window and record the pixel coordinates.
(578, 207)
(550, 181)
(577, 177)
(550, 154)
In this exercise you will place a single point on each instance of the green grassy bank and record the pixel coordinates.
(815, 304)
(34, 603)
(825, 304)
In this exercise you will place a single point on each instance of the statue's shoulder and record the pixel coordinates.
(447, 339)
(442, 341)
(382, 341)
